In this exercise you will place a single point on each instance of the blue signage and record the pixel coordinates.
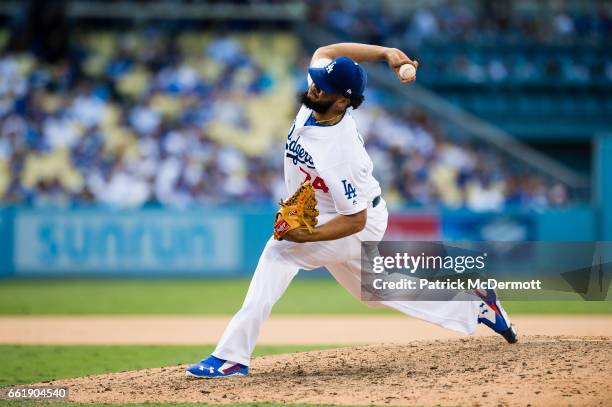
(148, 241)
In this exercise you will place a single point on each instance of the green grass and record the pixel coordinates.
(212, 297)
(34, 363)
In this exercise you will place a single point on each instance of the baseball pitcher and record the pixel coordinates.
(335, 204)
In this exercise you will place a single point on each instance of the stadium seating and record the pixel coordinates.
(552, 91)
(144, 117)
(541, 71)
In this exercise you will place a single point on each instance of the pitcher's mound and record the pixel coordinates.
(539, 370)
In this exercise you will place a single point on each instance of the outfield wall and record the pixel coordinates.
(223, 241)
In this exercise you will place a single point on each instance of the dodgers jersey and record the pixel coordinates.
(333, 158)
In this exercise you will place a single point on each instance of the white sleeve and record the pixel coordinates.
(347, 184)
(319, 63)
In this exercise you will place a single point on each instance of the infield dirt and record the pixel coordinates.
(479, 371)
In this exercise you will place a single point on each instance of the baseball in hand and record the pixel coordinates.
(407, 72)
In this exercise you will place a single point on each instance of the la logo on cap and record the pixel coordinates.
(329, 68)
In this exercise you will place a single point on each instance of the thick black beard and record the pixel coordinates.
(319, 107)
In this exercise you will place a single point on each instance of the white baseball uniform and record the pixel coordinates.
(334, 159)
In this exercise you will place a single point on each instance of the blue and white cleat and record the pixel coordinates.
(215, 367)
(493, 315)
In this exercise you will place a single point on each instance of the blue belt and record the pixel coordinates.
(376, 201)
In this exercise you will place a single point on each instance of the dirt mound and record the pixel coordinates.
(540, 370)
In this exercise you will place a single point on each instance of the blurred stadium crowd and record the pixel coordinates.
(461, 21)
(549, 63)
(145, 117)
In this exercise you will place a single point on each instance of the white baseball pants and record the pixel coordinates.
(281, 261)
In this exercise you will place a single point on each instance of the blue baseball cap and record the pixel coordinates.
(342, 76)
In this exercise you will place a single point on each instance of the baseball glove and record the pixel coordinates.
(297, 211)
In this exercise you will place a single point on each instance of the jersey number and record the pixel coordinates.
(318, 182)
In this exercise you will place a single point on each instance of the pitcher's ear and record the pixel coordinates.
(343, 103)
